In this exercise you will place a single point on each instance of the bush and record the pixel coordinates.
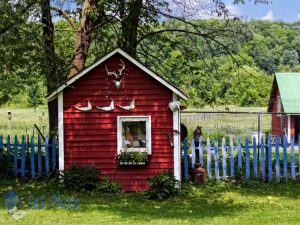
(78, 178)
(108, 186)
(162, 186)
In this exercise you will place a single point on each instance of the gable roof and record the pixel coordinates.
(170, 86)
(289, 89)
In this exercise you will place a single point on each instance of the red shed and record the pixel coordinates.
(284, 99)
(118, 105)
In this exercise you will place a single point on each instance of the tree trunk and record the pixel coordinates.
(130, 25)
(50, 59)
(83, 37)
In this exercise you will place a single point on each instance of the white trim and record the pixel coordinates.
(134, 61)
(121, 119)
(61, 159)
(289, 129)
(176, 136)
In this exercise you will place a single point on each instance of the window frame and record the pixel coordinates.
(147, 119)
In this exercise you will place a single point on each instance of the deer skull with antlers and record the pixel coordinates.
(117, 73)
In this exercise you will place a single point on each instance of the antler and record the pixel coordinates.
(116, 74)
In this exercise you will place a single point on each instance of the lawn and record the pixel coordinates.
(23, 120)
(216, 203)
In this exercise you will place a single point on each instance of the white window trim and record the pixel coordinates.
(147, 119)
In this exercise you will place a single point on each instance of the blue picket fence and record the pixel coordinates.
(265, 160)
(27, 158)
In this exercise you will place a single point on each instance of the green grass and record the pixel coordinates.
(23, 121)
(215, 203)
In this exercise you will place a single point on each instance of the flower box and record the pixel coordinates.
(134, 158)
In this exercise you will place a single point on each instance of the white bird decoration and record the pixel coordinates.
(174, 106)
(87, 108)
(111, 107)
(129, 107)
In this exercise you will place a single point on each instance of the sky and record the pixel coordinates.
(283, 10)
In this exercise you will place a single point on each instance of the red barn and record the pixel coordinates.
(118, 105)
(284, 99)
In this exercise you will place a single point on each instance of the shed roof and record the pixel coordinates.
(167, 84)
(289, 89)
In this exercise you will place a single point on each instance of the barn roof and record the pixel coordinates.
(167, 84)
(289, 89)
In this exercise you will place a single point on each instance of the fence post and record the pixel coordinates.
(16, 156)
(299, 153)
(53, 152)
(201, 150)
(39, 156)
(224, 158)
(8, 154)
(254, 157)
(293, 171)
(262, 153)
(239, 154)
(193, 152)
(277, 159)
(247, 159)
(32, 157)
(23, 157)
(231, 157)
(270, 172)
(217, 159)
(285, 174)
(47, 156)
(208, 158)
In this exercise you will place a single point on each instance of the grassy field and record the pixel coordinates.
(215, 203)
(23, 121)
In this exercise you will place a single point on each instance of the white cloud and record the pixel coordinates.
(298, 16)
(234, 10)
(269, 15)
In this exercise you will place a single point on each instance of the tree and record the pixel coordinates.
(35, 95)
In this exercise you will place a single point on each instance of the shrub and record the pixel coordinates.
(108, 186)
(78, 178)
(162, 186)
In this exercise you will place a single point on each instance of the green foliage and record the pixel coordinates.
(35, 95)
(77, 178)
(162, 186)
(134, 156)
(108, 186)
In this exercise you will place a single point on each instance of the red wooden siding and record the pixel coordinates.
(91, 137)
(276, 119)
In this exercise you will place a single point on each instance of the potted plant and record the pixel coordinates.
(132, 158)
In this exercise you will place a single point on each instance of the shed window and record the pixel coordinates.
(279, 106)
(134, 133)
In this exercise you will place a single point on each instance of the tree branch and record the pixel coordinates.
(65, 15)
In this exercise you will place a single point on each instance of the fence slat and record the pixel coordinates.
(277, 159)
(16, 156)
(239, 154)
(231, 157)
(1, 147)
(47, 155)
(299, 153)
(293, 171)
(270, 172)
(32, 157)
(23, 146)
(208, 158)
(217, 159)
(201, 150)
(247, 159)
(8, 154)
(224, 158)
(193, 147)
(262, 152)
(255, 158)
(39, 156)
(53, 153)
(285, 174)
